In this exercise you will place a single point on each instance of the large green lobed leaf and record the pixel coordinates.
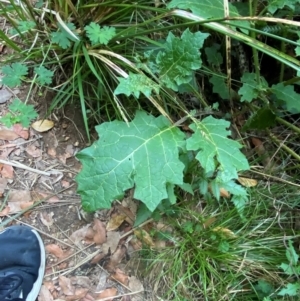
(143, 153)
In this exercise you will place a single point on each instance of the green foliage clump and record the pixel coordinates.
(145, 154)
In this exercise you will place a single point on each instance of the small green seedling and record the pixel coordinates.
(19, 113)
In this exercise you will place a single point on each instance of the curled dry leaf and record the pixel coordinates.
(224, 193)
(8, 135)
(66, 285)
(55, 250)
(109, 292)
(43, 125)
(246, 182)
(99, 228)
(115, 222)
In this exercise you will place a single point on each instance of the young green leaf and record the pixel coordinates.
(291, 254)
(292, 289)
(215, 149)
(213, 55)
(62, 37)
(8, 120)
(278, 4)
(22, 112)
(179, 58)
(135, 84)
(288, 96)
(219, 86)
(23, 26)
(251, 88)
(143, 153)
(44, 76)
(13, 74)
(98, 35)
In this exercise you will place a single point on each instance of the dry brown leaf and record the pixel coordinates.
(79, 294)
(7, 171)
(22, 132)
(65, 184)
(246, 182)
(136, 244)
(3, 185)
(62, 266)
(120, 276)
(82, 281)
(66, 285)
(100, 235)
(44, 294)
(47, 218)
(112, 241)
(116, 258)
(81, 234)
(224, 193)
(5, 211)
(115, 222)
(43, 125)
(135, 285)
(51, 151)
(19, 196)
(144, 236)
(37, 196)
(130, 212)
(33, 151)
(55, 250)
(7, 149)
(109, 292)
(15, 207)
(8, 135)
(97, 258)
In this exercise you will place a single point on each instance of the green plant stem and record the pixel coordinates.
(283, 146)
(282, 57)
(288, 124)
